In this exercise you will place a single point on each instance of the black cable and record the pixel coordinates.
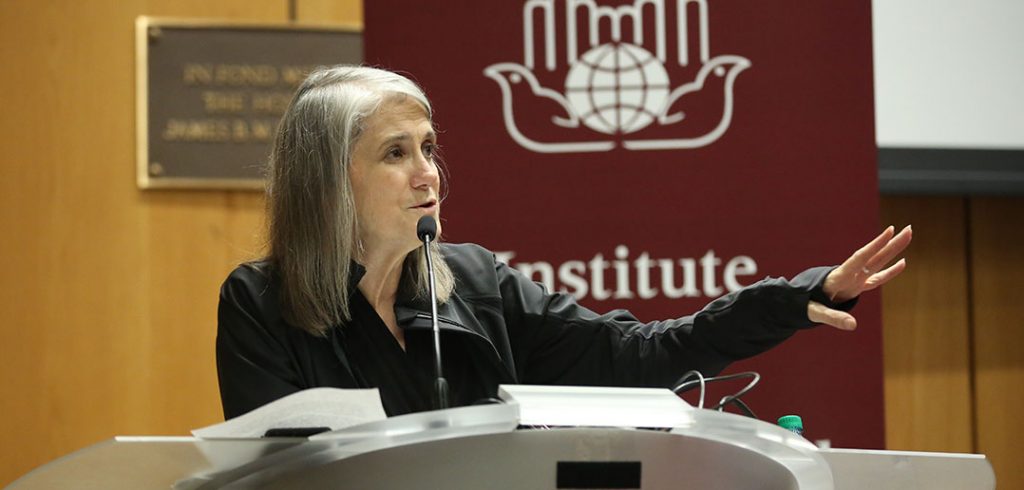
(742, 406)
(756, 378)
(683, 385)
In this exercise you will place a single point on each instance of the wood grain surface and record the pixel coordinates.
(109, 293)
(926, 330)
(997, 261)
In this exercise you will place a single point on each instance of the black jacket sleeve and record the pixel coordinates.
(557, 341)
(254, 366)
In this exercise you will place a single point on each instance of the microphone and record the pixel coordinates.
(426, 230)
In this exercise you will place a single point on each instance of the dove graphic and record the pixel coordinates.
(727, 66)
(511, 75)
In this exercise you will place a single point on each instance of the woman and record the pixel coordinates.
(341, 300)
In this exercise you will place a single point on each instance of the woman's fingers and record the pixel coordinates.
(860, 258)
(885, 276)
(858, 274)
(891, 249)
(819, 313)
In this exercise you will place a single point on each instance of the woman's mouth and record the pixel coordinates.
(428, 205)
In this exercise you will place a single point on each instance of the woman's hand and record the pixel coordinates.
(863, 271)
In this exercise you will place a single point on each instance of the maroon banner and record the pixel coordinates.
(655, 154)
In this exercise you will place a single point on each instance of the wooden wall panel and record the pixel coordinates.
(330, 11)
(925, 337)
(64, 214)
(997, 235)
(108, 292)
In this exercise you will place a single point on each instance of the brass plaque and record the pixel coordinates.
(209, 95)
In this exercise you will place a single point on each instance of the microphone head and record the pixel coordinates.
(426, 228)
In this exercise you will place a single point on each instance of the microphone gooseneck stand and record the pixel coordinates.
(426, 230)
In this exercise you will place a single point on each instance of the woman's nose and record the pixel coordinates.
(425, 172)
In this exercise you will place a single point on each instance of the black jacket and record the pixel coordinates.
(516, 331)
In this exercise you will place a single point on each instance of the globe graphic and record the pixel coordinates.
(617, 88)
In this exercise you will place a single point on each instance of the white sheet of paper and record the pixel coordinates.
(316, 407)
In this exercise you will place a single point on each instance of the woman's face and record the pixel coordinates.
(394, 178)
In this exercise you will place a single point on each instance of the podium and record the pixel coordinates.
(619, 438)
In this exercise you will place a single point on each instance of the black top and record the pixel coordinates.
(498, 327)
(405, 378)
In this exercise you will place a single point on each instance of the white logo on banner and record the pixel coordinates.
(614, 88)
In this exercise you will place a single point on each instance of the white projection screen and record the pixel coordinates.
(949, 96)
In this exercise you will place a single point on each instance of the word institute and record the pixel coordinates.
(641, 277)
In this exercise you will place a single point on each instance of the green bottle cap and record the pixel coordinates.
(791, 422)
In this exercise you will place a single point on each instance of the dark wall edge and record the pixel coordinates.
(941, 171)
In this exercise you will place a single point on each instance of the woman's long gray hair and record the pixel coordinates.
(310, 207)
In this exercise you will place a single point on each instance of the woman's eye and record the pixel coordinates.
(395, 153)
(429, 149)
